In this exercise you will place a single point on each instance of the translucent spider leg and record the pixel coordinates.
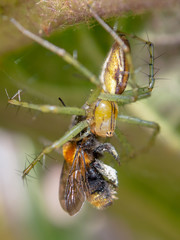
(143, 123)
(151, 59)
(73, 132)
(45, 108)
(59, 51)
(127, 151)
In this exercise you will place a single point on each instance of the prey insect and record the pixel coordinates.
(84, 176)
(97, 117)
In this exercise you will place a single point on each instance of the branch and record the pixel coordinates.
(45, 16)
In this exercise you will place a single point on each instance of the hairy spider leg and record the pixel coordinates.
(127, 97)
(73, 132)
(59, 51)
(150, 46)
(126, 149)
(49, 108)
(68, 58)
(143, 123)
(52, 108)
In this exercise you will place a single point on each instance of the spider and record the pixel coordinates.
(101, 93)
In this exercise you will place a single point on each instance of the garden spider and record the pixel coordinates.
(129, 96)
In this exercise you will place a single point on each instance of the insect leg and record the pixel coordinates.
(107, 147)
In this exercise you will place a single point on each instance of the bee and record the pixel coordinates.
(85, 177)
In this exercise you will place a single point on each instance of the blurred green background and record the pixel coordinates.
(149, 185)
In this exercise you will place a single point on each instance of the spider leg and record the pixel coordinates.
(57, 50)
(151, 59)
(46, 108)
(49, 108)
(127, 151)
(93, 96)
(84, 135)
(128, 96)
(127, 52)
(143, 123)
(57, 144)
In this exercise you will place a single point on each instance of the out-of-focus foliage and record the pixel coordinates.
(149, 192)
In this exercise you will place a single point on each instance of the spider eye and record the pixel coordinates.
(109, 133)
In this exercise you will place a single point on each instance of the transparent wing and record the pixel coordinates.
(72, 188)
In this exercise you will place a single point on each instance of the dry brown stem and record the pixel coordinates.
(45, 16)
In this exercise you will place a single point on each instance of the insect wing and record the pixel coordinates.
(71, 190)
